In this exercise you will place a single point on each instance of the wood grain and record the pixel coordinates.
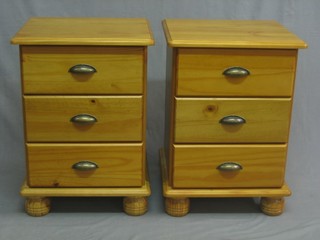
(135, 206)
(177, 207)
(200, 72)
(38, 206)
(47, 118)
(170, 192)
(197, 120)
(199, 95)
(170, 105)
(115, 95)
(142, 191)
(50, 165)
(229, 34)
(195, 166)
(272, 206)
(85, 31)
(45, 70)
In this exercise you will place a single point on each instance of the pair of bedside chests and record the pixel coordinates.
(229, 93)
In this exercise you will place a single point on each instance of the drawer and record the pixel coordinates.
(200, 72)
(83, 118)
(119, 70)
(196, 166)
(232, 120)
(84, 165)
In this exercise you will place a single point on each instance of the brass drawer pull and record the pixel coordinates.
(229, 167)
(85, 166)
(82, 69)
(84, 119)
(236, 72)
(232, 120)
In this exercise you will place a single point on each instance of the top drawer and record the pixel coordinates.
(119, 70)
(200, 72)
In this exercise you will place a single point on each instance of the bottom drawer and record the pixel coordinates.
(241, 165)
(85, 165)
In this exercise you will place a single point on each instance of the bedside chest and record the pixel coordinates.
(84, 98)
(229, 96)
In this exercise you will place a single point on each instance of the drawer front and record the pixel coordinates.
(119, 70)
(62, 165)
(200, 72)
(196, 166)
(83, 119)
(205, 120)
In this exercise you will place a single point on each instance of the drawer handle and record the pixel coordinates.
(229, 167)
(84, 119)
(232, 120)
(82, 69)
(236, 72)
(85, 166)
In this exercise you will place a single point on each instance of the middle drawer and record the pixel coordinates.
(83, 118)
(232, 120)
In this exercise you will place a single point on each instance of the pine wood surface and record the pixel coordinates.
(195, 166)
(119, 118)
(45, 70)
(142, 191)
(50, 165)
(229, 34)
(135, 206)
(170, 192)
(116, 48)
(85, 31)
(197, 120)
(272, 206)
(170, 105)
(177, 207)
(200, 72)
(37, 207)
(199, 51)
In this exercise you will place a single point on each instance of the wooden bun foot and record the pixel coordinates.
(177, 207)
(272, 206)
(135, 206)
(37, 207)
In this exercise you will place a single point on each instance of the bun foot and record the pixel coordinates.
(135, 206)
(272, 206)
(177, 207)
(37, 207)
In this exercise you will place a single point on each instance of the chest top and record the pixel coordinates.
(230, 34)
(85, 31)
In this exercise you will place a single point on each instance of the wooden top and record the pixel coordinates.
(85, 31)
(229, 34)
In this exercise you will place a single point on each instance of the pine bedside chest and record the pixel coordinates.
(84, 99)
(228, 106)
